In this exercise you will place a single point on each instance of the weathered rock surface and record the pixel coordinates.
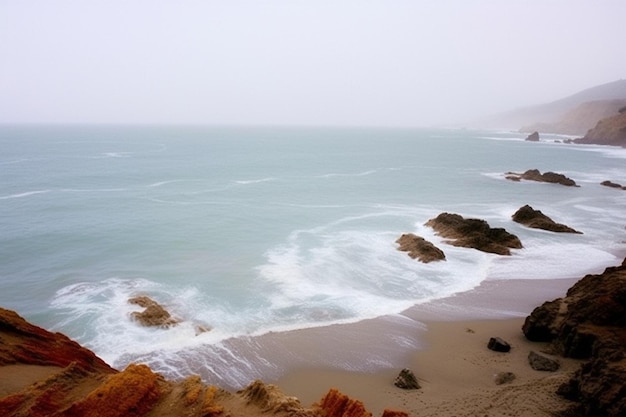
(498, 345)
(530, 217)
(336, 404)
(419, 248)
(24, 343)
(608, 131)
(533, 137)
(589, 323)
(406, 380)
(536, 175)
(79, 384)
(474, 233)
(541, 362)
(154, 315)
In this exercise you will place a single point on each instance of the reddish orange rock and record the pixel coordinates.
(336, 404)
(394, 413)
(133, 392)
(22, 342)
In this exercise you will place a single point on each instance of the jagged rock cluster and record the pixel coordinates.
(476, 234)
(536, 175)
(67, 380)
(589, 323)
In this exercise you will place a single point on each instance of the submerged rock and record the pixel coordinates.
(474, 233)
(154, 314)
(536, 175)
(612, 184)
(419, 248)
(530, 217)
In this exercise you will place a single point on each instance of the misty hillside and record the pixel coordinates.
(575, 114)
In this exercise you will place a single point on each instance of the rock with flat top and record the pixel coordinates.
(474, 233)
(536, 175)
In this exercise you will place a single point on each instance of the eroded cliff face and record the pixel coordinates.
(44, 374)
(589, 323)
(608, 131)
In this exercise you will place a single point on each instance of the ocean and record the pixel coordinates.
(256, 231)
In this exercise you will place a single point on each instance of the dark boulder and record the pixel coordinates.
(498, 345)
(419, 248)
(406, 380)
(474, 233)
(535, 219)
(589, 323)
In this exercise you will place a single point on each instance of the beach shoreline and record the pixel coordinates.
(449, 356)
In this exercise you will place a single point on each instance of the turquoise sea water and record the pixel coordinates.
(257, 230)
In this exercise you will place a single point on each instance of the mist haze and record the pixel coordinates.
(382, 63)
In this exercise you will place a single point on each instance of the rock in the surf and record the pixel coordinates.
(153, 315)
(419, 248)
(474, 233)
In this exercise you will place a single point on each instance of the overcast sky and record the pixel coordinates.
(316, 62)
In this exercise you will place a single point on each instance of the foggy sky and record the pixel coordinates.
(316, 62)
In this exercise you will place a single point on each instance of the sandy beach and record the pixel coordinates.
(444, 342)
(453, 364)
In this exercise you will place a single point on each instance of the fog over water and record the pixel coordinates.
(391, 63)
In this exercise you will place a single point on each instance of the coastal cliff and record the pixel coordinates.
(608, 131)
(46, 374)
(589, 323)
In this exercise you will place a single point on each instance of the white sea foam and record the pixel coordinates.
(257, 181)
(24, 194)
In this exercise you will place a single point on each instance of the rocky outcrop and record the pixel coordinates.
(533, 137)
(474, 233)
(24, 343)
(589, 323)
(579, 119)
(79, 384)
(536, 175)
(530, 217)
(608, 131)
(153, 315)
(336, 404)
(419, 248)
(612, 184)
